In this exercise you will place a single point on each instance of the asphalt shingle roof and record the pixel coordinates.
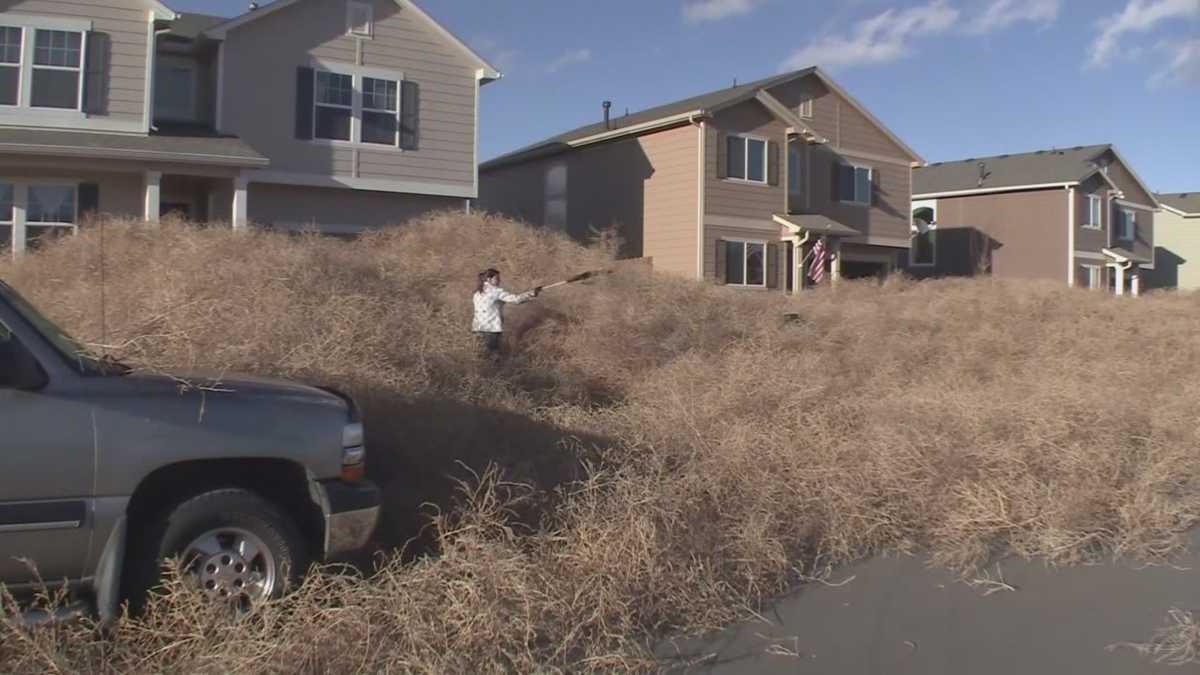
(1188, 202)
(189, 26)
(216, 150)
(1061, 165)
(710, 101)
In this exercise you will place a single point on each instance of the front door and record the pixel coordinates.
(47, 450)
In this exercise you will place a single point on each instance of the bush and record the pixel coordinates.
(661, 452)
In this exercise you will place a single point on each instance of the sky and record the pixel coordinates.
(953, 78)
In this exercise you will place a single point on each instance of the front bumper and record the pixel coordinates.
(351, 514)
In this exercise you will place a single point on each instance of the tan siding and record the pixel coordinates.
(1028, 230)
(1124, 180)
(402, 42)
(289, 204)
(120, 193)
(125, 22)
(837, 120)
(1176, 252)
(1087, 239)
(713, 233)
(727, 197)
(644, 186)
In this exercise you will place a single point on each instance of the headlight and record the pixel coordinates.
(352, 435)
(354, 454)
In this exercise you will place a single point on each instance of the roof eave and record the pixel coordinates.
(828, 82)
(1186, 214)
(992, 190)
(125, 153)
(162, 12)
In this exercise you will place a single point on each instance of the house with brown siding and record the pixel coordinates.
(1078, 214)
(333, 114)
(1177, 242)
(735, 185)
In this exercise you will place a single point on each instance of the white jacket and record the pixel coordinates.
(489, 308)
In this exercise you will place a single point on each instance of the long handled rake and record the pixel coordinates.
(578, 277)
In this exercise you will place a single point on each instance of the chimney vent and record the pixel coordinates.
(253, 6)
(607, 105)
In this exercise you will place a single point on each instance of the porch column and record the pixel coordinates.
(20, 200)
(153, 196)
(240, 193)
(1120, 279)
(835, 263)
(1135, 285)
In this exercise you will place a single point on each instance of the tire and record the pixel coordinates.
(227, 539)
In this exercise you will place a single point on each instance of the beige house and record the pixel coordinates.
(735, 185)
(1077, 214)
(1177, 242)
(339, 114)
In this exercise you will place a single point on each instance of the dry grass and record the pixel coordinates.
(681, 450)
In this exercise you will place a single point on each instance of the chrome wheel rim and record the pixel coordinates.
(232, 564)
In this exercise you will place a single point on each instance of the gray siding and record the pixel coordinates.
(403, 42)
(125, 23)
(291, 205)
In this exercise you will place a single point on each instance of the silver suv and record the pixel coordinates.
(105, 472)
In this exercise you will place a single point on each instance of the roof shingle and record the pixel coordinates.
(1062, 165)
(1188, 202)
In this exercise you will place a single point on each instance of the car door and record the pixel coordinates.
(46, 468)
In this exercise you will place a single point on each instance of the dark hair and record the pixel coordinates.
(489, 273)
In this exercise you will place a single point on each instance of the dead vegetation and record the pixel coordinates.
(664, 452)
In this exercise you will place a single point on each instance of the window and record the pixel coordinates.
(746, 158)
(854, 184)
(380, 111)
(334, 114)
(1128, 225)
(10, 65)
(1094, 280)
(1092, 216)
(805, 109)
(50, 212)
(360, 19)
(175, 91)
(57, 69)
(745, 263)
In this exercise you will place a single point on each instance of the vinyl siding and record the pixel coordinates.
(730, 197)
(768, 232)
(1124, 180)
(1176, 252)
(125, 22)
(403, 42)
(645, 186)
(1025, 231)
(120, 193)
(1087, 239)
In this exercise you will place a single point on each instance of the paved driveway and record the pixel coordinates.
(898, 616)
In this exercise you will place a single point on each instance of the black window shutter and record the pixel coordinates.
(88, 200)
(410, 115)
(773, 251)
(773, 163)
(721, 267)
(95, 66)
(874, 199)
(835, 180)
(304, 103)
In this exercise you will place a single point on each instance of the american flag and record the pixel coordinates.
(816, 270)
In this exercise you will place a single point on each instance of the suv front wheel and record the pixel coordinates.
(232, 545)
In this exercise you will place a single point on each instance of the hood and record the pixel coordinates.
(238, 386)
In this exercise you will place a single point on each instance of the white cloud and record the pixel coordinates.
(1184, 66)
(497, 54)
(569, 59)
(1001, 14)
(882, 38)
(1139, 16)
(712, 10)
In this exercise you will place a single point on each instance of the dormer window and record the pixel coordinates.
(360, 19)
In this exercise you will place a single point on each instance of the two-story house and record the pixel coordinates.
(735, 185)
(1177, 242)
(1078, 214)
(339, 114)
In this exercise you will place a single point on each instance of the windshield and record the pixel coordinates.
(71, 350)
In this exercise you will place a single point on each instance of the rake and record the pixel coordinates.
(578, 277)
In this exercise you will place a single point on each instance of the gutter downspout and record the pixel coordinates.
(701, 168)
(1070, 236)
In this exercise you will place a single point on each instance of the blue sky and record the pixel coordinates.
(953, 78)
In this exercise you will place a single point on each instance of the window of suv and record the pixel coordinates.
(74, 353)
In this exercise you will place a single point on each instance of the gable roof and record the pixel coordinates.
(1183, 203)
(189, 26)
(487, 71)
(670, 113)
(161, 11)
(1041, 168)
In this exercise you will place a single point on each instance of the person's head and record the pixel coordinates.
(489, 276)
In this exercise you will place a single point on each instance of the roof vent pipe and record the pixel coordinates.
(253, 6)
(607, 105)
(982, 173)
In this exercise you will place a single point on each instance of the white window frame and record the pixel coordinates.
(1095, 207)
(20, 220)
(1095, 277)
(745, 267)
(357, 73)
(29, 26)
(746, 159)
(361, 6)
(364, 109)
(853, 201)
(805, 109)
(1128, 225)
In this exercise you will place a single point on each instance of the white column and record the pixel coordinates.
(1120, 272)
(1135, 284)
(835, 263)
(153, 200)
(241, 186)
(20, 200)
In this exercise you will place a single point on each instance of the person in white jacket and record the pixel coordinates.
(489, 301)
